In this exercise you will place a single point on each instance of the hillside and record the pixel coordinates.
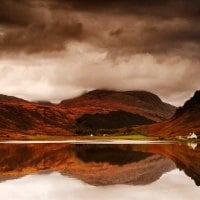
(185, 120)
(143, 103)
(26, 118)
(112, 120)
(100, 107)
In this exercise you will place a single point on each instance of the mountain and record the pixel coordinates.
(143, 103)
(185, 120)
(18, 118)
(104, 108)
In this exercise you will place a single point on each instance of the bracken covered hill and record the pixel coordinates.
(185, 120)
(19, 117)
(103, 101)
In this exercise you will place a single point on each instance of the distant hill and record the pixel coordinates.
(101, 108)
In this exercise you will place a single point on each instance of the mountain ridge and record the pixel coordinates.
(20, 117)
(130, 101)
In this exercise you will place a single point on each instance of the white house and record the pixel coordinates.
(192, 136)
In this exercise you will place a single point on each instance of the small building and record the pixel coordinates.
(192, 136)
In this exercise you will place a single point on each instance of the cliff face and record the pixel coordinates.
(185, 120)
(19, 117)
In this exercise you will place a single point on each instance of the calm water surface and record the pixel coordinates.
(89, 170)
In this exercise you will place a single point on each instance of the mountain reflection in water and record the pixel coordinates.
(100, 164)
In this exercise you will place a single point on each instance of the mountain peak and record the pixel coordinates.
(140, 94)
(136, 101)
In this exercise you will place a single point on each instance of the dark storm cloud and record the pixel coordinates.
(40, 37)
(160, 8)
(19, 13)
(116, 32)
(29, 26)
(36, 25)
(65, 47)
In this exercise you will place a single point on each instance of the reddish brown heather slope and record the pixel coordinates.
(185, 120)
(104, 101)
(19, 117)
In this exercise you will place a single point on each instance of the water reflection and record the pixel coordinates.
(54, 186)
(140, 165)
(101, 164)
(125, 170)
(192, 145)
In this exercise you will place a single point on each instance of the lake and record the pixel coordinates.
(100, 170)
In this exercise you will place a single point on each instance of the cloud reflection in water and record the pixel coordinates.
(54, 186)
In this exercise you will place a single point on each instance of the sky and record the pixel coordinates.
(58, 49)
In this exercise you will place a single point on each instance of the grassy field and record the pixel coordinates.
(44, 137)
(107, 137)
(127, 137)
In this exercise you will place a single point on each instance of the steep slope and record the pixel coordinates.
(185, 120)
(19, 117)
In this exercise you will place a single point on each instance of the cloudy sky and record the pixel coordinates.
(58, 49)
